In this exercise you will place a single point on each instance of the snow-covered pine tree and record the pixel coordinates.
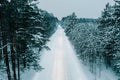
(106, 24)
(106, 17)
(116, 34)
(110, 31)
(24, 29)
(4, 24)
(70, 22)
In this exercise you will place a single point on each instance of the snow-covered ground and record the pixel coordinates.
(61, 63)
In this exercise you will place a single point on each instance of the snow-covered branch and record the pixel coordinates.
(4, 46)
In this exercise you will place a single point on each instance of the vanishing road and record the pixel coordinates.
(60, 63)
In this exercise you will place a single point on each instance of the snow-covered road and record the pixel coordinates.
(60, 63)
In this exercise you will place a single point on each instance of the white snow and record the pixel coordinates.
(61, 63)
(9, 0)
(3, 76)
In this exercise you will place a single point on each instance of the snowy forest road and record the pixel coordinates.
(60, 63)
(66, 65)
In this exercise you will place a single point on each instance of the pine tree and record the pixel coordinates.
(110, 31)
(4, 33)
(116, 35)
(70, 22)
(106, 18)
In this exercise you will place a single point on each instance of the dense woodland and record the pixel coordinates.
(96, 41)
(24, 31)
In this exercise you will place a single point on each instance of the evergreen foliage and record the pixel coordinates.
(24, 31)
(97, 41)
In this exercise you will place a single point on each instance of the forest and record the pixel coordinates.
(96, 41)
(25, 30)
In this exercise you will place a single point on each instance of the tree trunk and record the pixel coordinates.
(18, 68)
(13, 62)
(1, 55)
(13, 52)
(12, 37)
(4, 41)
(4, 26)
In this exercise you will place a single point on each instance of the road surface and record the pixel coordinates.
(60, 63)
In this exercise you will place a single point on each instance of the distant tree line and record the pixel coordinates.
(24, 31)
(97, 41)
